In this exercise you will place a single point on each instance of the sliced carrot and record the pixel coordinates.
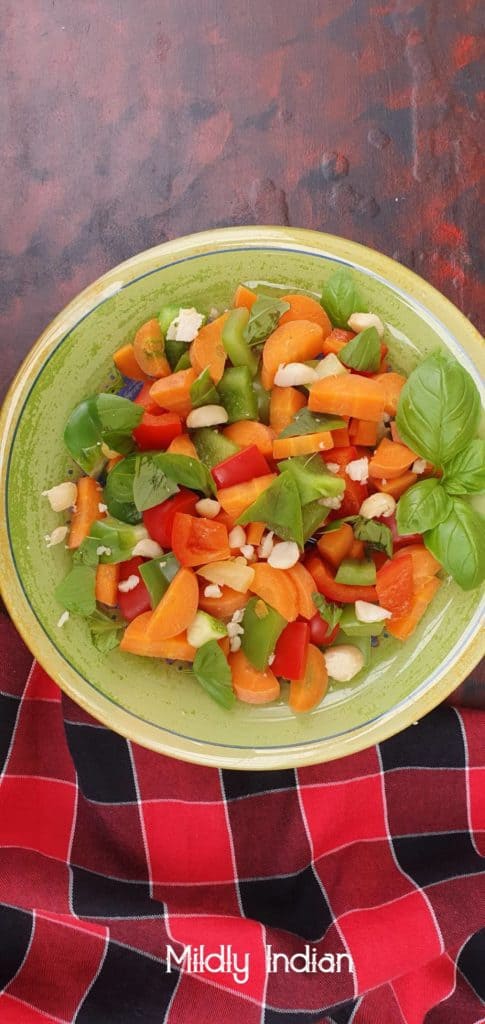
(125, 362)
(305, 586)
(249, 685)
(390, 460)
(244, 297)
(235, 500)
(254, 533)
(293, 342)
(283, 407)
(341, 437)
(336, 341)
(173, 393)
(357, 549)
(305, 444)
(404, 626)
(135, 640)
(207, 349)
(247, 432)
(425, 565)
(303, 307)
(149, 350)
(177, 607)
(222, 607)
(335, 545)
(348, 395)
(397, 486)
(393, 384)
(276, 587)
(182, 445)
(107, 577)
(363, 432)
(89, 495)
(306, 693)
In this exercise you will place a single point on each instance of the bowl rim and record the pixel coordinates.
(88, 697)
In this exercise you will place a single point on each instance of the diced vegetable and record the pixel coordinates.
(276, 588)
(394, 586)
(156, 432)
(125, 362)
(244, 297)
(237, 394)
(304, 307)
(278, 506)
(340, 592)
(177, 608)
(173, 392)
(107, 579)
(356, 574)
(403, 626)
(352, 626)
(159, 519)
(232, 572)
(237, 469)
(234, 340)
(135, 640)
(183, 445)
(149, 350)
(291, 651)
(304, 586)
(236, 500)
(351, 395)
(307, 692)
(335, 545)
(196, 541)
(262, 626)
(250, 685)
(285, 447)
(207, 349)
(222, 607)
(293, 342)
(245, 433)
(203, 628)
(393, 384)
(213, 447)
(137, 600)
(284, 405)
(157, 574)
(89, 497)
(312, 478)
(391, 460)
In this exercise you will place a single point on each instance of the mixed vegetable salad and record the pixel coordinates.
(265, 497)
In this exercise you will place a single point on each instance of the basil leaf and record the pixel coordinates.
(459, 544)
(263, 318)
(314, 515)
(306, 422)
(186, 471)
(212, 671)
(465, 474)
(202, 391)
(312, 477)
(105, 631)
(279, 507)
(101, 418)
(76, 593)
(118, 491)
(330, 613)
(375, 535)
(150, 485)
(363, 352)
(87, 553)
(422, 507)
(341, 298)
(438, 409)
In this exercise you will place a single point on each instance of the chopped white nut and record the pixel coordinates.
(206, 416)
(208, 507)
(419, 466)
(212, 590)
(344, 662)
(102, 507)
(384, 482)
(367, 612)
(248, 551)
(238, 615)
(213, 313)
(358, 470)
(271, 659)
(147, 548)
(333, 503)
(330, 366)
(61, 496)
(162, 565)
(377, 505)
(185, 326)
(102, 550)
(284, 555)
(234, 629)
(56, 537)
(333, 467)
(360, 321)
(266, 546)
(126, 585)
(291, 375)
(235, 644)
(63, 619)
(109, 453)
(237, 537)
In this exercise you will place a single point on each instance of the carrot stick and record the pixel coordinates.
(107, 577)
(293, 342)
(283, 407)
(149, 350)
(173, 392)
(254, 533)
(348, 395)
(335, 545)
(341, 437)
(276, 587)
(177, 607)
(363, 432)
(303, 307)
(136, 641)
(404, 626)
(247, 432)
(182, 445)
(125, 362)
(305, 588)
(207, 349)
(235, 500)
(390, 460)
(244, 297)
(393, 384)
(397, 486)
(307, 692)
(250, 685)
(305, 444)
(89, 495)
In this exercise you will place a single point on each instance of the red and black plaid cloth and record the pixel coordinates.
(110, 855)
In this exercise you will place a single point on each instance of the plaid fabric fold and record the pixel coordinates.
(135, 887)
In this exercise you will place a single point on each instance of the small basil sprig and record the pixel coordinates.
(439, 409)
(459, 544)
(374, 534)
(329, 612)
(212, 671)
(341, 297)
(263, 318)
(465, 473)
(306, 422)
(150, 484)
(422, 507)
(108, 419)
(279, 507)
(363, 352)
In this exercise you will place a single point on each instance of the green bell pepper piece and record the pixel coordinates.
(202, 391)
(356, 573)
(119, 537)
(312, 478)
(263, 399)
(362, 642)
(165, 317)
(351, 626)
(158, 574)
(174, 350)
(212, 447)
(260, 633)
(184, 362)
(234, 341)
(237, 394)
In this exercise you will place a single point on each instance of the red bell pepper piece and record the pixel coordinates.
(237, 469)
(159, 519)
(341, 456)
(355, 492)
(196, 541)
(154, 433)
(340, 592)
(320, 632)
(394, 585)
(133, 602)
(146, 401)
(291, 651)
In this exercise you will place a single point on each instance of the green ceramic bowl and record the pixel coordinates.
(154, 703)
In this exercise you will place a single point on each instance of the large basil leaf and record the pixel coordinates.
(465, 474)
(280, 508)
(108, 419)
(306, 422)
(263, 318)
(76, 593)
(439, 408)
(459, 544)
(363, 352)
(185, 471)
(118, 491)
(422, 507)
(150, 485)
(213, 673)
(341, 297)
